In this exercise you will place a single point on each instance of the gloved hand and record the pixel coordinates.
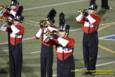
(54, 34)
(85, 12)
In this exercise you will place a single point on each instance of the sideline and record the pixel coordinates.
(52, 5)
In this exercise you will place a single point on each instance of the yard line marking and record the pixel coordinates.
(23, 74)
(107, 39)
(107, 49)
(6, 50)
(103, 47)
(37, 65)
(107, 36)
(73, 30)
(104, 37)
(98, 65)
(52, 5)
(103, 64)
(31, 21)
(31, 57)
(104, 27)
(29, 38)
(35, 52)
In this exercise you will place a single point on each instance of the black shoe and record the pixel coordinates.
(89, 72)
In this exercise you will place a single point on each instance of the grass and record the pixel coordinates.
(31, 48)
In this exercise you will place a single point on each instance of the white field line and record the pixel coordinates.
(107, 36)
(76, 70)
(35, 52)
(45, 6)
(52, 5)
(103, 38)
(29, 38)
(108, 40)
(6, 50)
(23, 74)
(98, 65)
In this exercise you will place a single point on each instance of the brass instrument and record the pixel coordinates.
(2, 19)
(82, 10)
(45, 24)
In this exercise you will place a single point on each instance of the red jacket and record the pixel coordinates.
(64, 47)
(41, 34)
(16, 33)
(6, 14)
(90, 23)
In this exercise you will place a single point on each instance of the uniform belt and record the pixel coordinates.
(90, 33)
(16, 36)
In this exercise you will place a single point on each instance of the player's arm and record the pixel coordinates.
(66, 42)
(95, 21)
(38, 34)
(98, 21)
(6, 28)
(14, 29)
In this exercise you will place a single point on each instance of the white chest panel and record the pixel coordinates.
(64, 50)
(87, 24)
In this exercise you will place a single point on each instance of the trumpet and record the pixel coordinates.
(2, 6)
(82, 10)
(52, 33)
(43, 23)
(3, 19)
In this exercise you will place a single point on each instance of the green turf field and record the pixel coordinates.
(36, 10)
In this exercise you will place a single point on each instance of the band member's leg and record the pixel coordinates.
(49, 61)
(104, 4)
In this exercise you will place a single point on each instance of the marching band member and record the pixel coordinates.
(16, 32)
(90, 22)
(64, 51)
(46, 58)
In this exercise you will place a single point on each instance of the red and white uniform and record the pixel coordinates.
(41, 34)
(4, 13)
(16, 33)
(64, 47)
(89, 26)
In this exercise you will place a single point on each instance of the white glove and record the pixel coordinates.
(3, 27)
